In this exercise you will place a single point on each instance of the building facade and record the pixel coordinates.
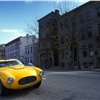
(2, 51)
(79, 35)
(48, 54)
(16, 47)
(31, 54)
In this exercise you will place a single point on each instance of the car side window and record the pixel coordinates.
(2, 65)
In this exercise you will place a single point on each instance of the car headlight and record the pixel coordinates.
(41, 73)
(10, 80)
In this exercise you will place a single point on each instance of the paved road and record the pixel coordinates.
(61, 85)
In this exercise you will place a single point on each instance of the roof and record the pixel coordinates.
(56, 12)
(9, 43)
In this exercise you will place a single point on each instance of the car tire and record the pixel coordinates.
(38, 84)
(3, 90)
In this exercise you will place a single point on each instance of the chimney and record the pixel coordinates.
(57, 11)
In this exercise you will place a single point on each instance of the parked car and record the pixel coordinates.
(15, 75)
(29, 64)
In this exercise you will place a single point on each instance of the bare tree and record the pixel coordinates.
(69, 26)
(32, 27)
(66, 6)
(48, 41)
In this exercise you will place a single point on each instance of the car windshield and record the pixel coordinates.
(10, 63)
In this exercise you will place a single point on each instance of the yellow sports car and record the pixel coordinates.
(15, 75)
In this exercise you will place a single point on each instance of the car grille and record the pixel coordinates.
(27, 80)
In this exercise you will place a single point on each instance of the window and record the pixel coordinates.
(67, 55)
(74, 36)
(41, 45)
(42, 34)
(31, 49)
(25, 50)
(83, 34)
(89, 32)
(84, 47)
(91, 50)
(41, 24)
(26, 60)
(84, 53)
(90, 46)
(98, 11)
(28, 50)
(82, 18)
(48, 22)
(99, 28)
(91, 53)
(61, 26)
(62, 40)
(88, 15)
(96, 52)
(30, 59)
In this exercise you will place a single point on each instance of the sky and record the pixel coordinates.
(15, 15)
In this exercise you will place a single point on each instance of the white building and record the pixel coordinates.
(31, 54)
(16, 47)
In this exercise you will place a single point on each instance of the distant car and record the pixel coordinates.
(29, 64)
(15, 75)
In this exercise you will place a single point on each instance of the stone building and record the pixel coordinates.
(16, 48)
(78, 38)
(31, 53)
(79, 35)
(48, 53)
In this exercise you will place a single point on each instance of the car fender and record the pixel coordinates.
(3, 77)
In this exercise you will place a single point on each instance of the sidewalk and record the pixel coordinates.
(62, 69)
(97, 69)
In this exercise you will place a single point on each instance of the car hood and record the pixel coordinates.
(19, 71)
(17, 67)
